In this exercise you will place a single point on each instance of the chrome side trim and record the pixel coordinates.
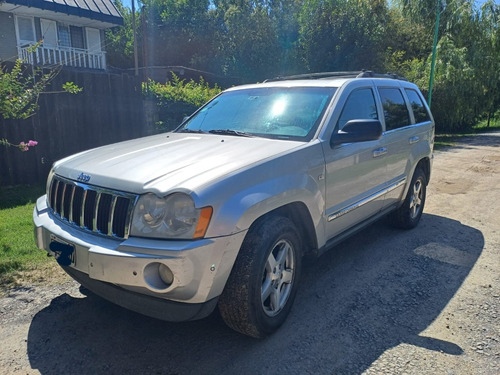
(366, 200)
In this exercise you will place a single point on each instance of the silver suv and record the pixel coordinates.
(221, 211)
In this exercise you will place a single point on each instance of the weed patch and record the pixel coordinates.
(18, 251)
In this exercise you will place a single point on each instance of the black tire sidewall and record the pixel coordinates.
(240, 304)
(409, 221)
(283, 230)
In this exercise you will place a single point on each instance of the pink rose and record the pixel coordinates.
(32, 143)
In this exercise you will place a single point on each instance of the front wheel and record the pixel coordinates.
(263, 282)
(408, 215)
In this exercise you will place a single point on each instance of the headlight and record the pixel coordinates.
(174, 216)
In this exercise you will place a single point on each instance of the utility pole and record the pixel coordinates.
(136, 60)
(434, 47)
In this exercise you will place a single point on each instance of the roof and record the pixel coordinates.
(101, 10)
(327, 79)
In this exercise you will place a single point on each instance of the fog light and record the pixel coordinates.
(166, 274)
(158, 276)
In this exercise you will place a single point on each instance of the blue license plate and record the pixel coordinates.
(64, 252)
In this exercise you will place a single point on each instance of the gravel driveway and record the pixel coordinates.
(425, 301)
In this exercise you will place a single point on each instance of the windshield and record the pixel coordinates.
(277, 112)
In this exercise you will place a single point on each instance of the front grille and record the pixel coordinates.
(103, 211)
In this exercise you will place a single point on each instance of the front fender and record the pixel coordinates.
(250, 194)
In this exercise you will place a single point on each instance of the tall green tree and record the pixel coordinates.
(246, 40)
(176, 32)
(120, 40)
(488, 57)
(342, 34)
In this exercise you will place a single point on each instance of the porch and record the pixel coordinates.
(68, 56)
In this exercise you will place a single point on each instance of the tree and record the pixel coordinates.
(258, 39)
(342, 34)
(120, 40)
(246, 39)
(19, 92)
(488, 57)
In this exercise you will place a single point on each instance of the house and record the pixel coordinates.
(64, 32)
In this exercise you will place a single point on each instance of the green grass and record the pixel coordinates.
(18, 251)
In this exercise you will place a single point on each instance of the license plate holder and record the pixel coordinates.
(64, 251)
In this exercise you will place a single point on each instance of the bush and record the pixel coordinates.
(177, 99)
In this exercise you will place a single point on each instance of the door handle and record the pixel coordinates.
(413, 140)
(379, 152)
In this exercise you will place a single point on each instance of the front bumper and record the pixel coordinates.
(131, 267)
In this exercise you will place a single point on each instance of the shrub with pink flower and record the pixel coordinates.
(23, 146)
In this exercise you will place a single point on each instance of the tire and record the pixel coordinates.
(263, 282)
(408, 215)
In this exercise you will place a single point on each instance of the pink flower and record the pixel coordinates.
(23, 146)
(32, 143)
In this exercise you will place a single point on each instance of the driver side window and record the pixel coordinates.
(360, 105)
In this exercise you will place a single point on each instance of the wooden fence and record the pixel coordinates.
(110, 109)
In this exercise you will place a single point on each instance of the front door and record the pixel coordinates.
(355, 172)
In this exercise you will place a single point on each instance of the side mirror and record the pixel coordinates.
(358, 131)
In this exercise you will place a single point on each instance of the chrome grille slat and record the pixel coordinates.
(114, 199)
(63, 196)
(71, 204)
(82, 214)
(96, 212)
(91, 208)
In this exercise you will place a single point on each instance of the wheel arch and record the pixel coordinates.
(425, 165)
(300, 216)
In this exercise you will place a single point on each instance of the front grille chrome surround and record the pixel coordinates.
(94, 209)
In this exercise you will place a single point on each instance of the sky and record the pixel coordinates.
(128, 3)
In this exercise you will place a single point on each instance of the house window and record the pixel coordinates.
(25, 30)
(49, 32)
(77, 37)
(70, 36)
(93, 40)
(63, 35)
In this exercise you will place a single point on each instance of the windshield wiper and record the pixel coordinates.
(230, 132)
(198, 131)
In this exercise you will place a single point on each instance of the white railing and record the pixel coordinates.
(52, 55)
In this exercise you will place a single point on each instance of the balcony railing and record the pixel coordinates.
(52, 55)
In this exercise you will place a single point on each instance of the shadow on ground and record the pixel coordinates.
(490, 139)
(373, 292)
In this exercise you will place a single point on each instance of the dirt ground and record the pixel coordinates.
(425, 301)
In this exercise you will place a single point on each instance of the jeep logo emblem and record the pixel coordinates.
(83, 177)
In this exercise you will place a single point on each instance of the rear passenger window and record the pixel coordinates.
(417, 106)
(360, 105)
(395, 110)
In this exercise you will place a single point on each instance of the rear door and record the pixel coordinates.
(405, 129)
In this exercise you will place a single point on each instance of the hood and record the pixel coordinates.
(170, 161)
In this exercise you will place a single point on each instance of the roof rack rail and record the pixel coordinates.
(314, 76)
(371, 74)
(325, 75)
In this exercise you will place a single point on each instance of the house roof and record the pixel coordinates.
(99, 10)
